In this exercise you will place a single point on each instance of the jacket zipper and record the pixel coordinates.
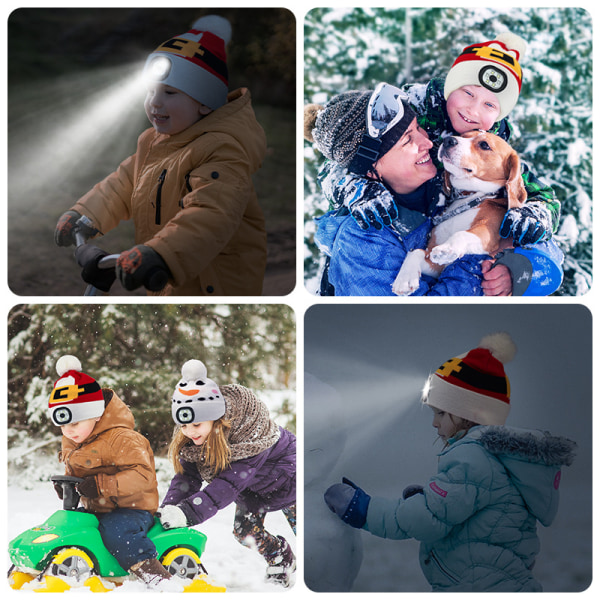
(443, 569)
(161, 180)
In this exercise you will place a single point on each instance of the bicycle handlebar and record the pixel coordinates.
(155, 281)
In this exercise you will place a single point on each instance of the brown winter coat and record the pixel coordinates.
(192, 200)
(119, 457)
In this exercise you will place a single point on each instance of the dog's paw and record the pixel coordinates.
(444, 254)
(405, 286)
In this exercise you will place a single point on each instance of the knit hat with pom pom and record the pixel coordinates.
(76, 396)
(474, 386)
(493, 65)
(195, 62)
(196, 398)
(339, 128)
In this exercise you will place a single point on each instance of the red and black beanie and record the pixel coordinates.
(474, 386)
(75, 396)
(195, 62)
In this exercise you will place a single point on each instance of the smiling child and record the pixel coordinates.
(188, 188)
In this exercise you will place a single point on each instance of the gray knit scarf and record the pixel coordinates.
(252, 430)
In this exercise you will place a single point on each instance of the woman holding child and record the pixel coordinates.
(383, 185)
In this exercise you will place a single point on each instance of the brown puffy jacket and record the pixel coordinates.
(192, 200)
(119, 457)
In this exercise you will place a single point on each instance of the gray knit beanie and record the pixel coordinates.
(338, 128)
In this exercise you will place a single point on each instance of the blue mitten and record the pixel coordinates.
(349, 502)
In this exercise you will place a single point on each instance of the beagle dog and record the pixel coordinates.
(483, 176)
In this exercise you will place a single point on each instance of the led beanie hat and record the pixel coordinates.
(474, 386)
(75, 396)
(195, 62)
(493, 65)
(196, 398)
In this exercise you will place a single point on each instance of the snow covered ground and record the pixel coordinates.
(227, 562)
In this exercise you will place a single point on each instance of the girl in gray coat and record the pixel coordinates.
(477, 517)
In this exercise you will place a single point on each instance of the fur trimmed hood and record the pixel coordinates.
(535, 446)
(533, 460)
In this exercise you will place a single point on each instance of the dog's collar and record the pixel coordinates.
(474, 201)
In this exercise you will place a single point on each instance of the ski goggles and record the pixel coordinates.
(385, 109)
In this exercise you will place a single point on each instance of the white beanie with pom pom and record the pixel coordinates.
(474, 386)
(196, 398)
(195, 62)
(494, 65)
(75, 396)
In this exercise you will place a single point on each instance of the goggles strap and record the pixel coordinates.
(368, 152)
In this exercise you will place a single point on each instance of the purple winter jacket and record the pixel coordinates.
(265, 482)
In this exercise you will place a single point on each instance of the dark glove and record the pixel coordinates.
(88, 487)
(348, 502)
(58, 488)
(64, 234)
(526, 225)
(142, 266)
(375, 207)
(88, 257)
(411, 490)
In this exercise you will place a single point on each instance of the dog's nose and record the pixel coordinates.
(449, 141)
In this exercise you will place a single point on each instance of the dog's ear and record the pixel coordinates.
(515, 188)
(447, 185)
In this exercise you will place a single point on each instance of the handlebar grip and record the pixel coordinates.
(156, 279)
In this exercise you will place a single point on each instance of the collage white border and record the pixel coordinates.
(299, 299)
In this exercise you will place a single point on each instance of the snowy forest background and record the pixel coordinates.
(356, 48)
(138, 351)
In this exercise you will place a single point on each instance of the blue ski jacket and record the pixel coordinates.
(366, 262)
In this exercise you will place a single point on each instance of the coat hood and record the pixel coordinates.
(116, 414)
(236, 119)
(533, 460)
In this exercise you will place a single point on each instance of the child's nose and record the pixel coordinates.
(155, 100)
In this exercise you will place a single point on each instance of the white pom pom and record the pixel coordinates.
(513, 42)
(500, 345)
(67, 363)
(193, 369)
(219, 26)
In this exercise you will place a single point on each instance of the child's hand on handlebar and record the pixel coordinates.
(64, 234)
(88, 257)
(142, 266)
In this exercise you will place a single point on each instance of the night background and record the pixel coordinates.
(72, 118)
(377, 359)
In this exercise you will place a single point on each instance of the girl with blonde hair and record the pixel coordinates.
(227, 449)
